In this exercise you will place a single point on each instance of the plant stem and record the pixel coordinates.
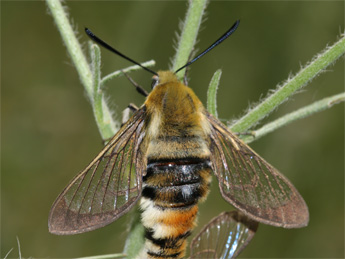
(72, 44)
(189, 34)
(319, 63)
(109, 256)
(106, 125)
(135, 240)
(212, 93)
(301, 113)
(115, 74)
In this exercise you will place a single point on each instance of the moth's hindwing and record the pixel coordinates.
(225, 236)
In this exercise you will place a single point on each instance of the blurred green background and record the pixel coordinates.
(49, 134)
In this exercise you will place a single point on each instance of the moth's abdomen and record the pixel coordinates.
(173, 184)
(171, 191)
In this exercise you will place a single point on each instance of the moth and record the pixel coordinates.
(164, 157)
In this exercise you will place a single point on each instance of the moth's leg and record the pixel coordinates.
(185, 78)
(251, 133)
(126, 114)
(245, 133)
(139, 88)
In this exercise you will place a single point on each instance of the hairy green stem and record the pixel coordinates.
(72, 44)
(135, 240)
(189, 34)
(319, 63)
(212, 93)
(109, 256)
(115, 74)
(106, 125)
(301, 113)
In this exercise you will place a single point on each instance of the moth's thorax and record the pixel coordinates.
(173, 107)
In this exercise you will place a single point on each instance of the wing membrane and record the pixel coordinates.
(224, 237)
(107, 188)
(251, 184)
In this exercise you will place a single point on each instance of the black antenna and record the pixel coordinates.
(107, 46)
(217, 42)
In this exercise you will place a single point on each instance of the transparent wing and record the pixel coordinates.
(225, 236)
(107, 188)
(252, 185)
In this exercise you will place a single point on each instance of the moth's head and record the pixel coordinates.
(163, 77)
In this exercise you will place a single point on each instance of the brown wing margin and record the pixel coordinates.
(107, 188)
(252, 185)
(225, 236)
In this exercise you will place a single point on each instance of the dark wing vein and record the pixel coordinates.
(83, 197)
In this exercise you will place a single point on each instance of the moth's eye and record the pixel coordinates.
(155, 81)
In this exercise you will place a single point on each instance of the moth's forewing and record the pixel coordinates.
(225, 236)
(252, 185)
(107, 188)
